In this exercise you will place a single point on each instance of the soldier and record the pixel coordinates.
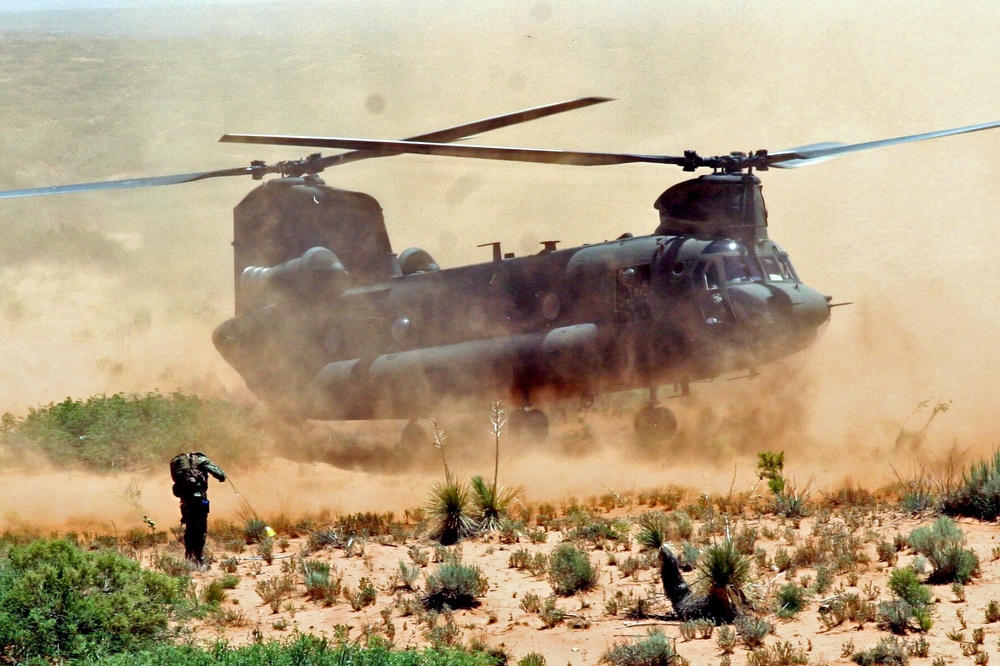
(190, 474)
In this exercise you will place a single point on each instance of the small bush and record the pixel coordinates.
(778, 654)
(992, 611)
(978, 493)
(320, 585)
(906, 585)
(532, 659)
(364, 596)
(455, 585)
(789, 600)
(550, 614)
(273, 591)
(127, 432)
(653, 650)
(254, 531)
(753, 630)
(942, 544)
(895, 615)
(889, 651)
(214, 593)
(58, 602)
(408, 574)
(570, 570)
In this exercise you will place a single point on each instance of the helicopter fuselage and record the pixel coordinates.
(630, 313)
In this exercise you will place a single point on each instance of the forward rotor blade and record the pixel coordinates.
(379, 148)
(127, 183)
(820, 152)
(448, 135)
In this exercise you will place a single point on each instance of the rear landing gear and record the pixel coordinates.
(530, 424)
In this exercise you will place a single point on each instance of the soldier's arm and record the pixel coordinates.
(214, 470)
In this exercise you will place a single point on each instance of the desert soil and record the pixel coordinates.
(590, 628)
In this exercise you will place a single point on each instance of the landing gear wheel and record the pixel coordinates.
(530, 424)
(655, 424)
(414, 436)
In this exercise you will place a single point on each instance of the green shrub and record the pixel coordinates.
(364, 596)
(214, 593)
(942, 543)
(532, 659)
(752, 630)
(299, 649)
(906, 585)
(126, 432)
(978, 493)
(455, 585)
(254, 531)
(570, 570)
(653, 650)
(789, 600)
(895, 615)
(320, 586)
(889, 651)
(58, 602)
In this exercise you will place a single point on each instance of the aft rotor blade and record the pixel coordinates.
(127, 183)
(448, 135)
(379, 148)
(819, 152)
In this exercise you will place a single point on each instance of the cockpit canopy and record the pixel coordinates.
(729, 262)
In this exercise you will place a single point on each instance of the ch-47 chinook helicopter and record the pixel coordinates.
(331, 324)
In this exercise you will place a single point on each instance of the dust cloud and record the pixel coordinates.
(119, 291)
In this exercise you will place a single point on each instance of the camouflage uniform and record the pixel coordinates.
(194, 505)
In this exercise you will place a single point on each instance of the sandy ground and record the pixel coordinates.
(501, 621)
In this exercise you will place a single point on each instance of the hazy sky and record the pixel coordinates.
(44, 5)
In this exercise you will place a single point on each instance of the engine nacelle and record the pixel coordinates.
(318, 269)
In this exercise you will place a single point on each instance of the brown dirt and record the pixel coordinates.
(500, 620)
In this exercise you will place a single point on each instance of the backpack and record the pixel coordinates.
(188, 478)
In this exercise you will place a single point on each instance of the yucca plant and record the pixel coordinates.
(448, 503)
(492, 503)
(449, 507)
(654, 529)
(723, 574)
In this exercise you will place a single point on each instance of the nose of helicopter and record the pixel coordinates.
(794, 308)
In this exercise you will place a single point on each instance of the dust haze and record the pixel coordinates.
(119, 291)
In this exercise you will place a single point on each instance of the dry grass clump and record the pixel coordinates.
(455, 585)
(653, 650)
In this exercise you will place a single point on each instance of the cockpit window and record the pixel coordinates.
(772, 268)
(778, 267)
(786, 265)
(741, 269)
